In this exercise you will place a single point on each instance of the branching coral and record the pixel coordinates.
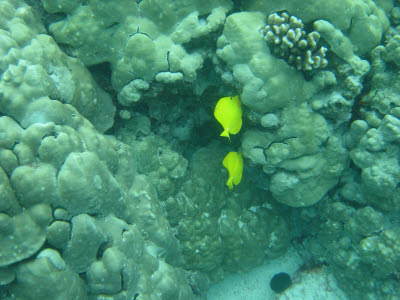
(287, 39)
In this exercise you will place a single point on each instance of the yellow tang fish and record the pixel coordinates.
(233, 162)
(229, 113)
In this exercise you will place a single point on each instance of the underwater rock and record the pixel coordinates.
(280, 282)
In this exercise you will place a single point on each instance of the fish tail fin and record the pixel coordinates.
(225, 133)
(229, 183)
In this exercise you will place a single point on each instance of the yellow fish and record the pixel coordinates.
(229, 113)
(233, 162)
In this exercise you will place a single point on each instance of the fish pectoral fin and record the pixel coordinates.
(229, 183)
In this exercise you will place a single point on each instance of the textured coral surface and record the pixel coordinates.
(111, 175)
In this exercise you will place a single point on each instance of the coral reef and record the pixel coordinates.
(287, 39)
(111, 167)
(360, 241)
(140, 43)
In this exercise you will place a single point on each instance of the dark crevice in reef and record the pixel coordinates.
(101, 249)
(38, 9)
(358, 103)
(67, 49)
(45, 17)
(53, 18)
(4, 292)
(102, 75)
(204, 42)
(237, 6)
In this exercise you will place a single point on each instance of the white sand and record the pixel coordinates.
(315, 284)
